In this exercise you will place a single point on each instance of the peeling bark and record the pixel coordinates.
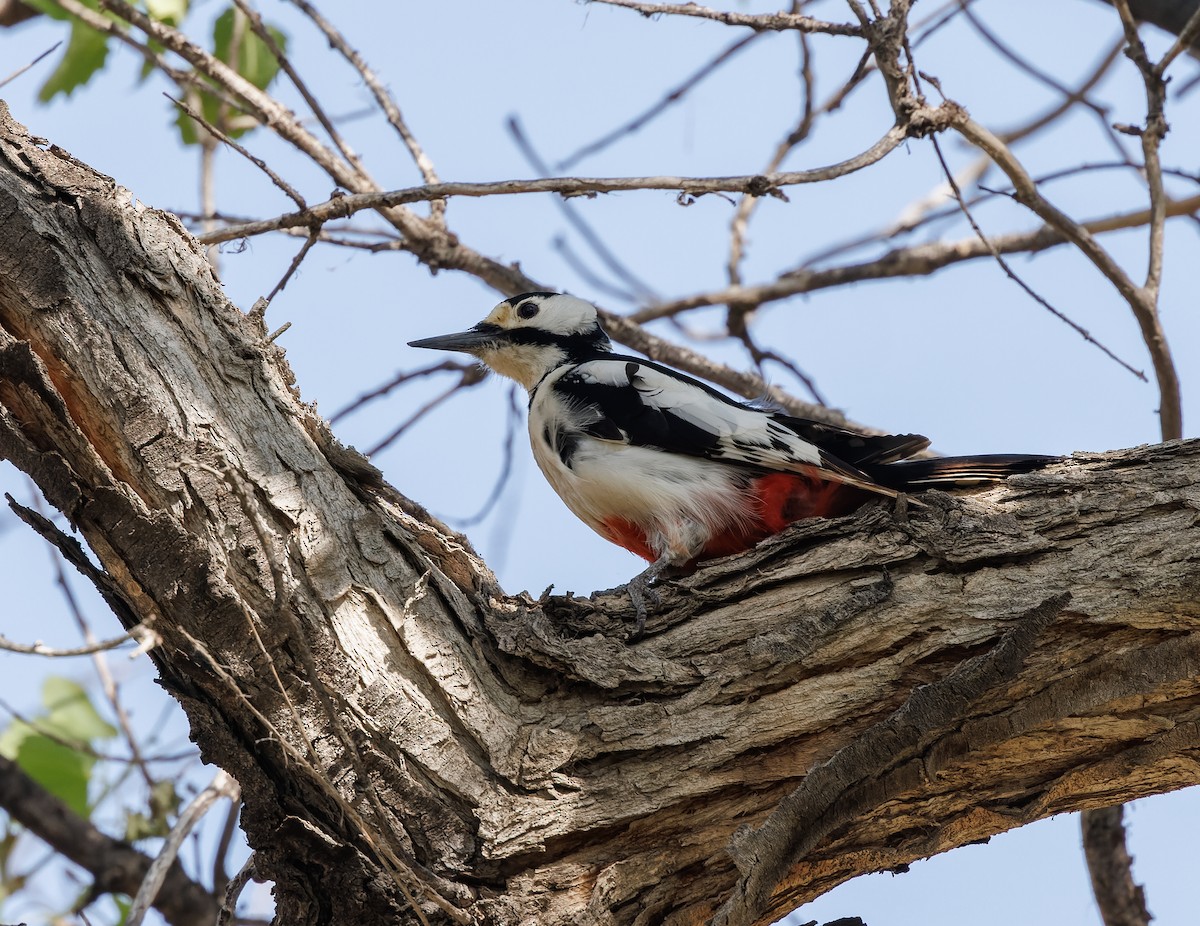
(847, 697)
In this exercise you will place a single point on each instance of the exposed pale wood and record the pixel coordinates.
(519, 763)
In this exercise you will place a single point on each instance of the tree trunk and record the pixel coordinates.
(845, 698)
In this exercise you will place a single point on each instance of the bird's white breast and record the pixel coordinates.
(678, 501)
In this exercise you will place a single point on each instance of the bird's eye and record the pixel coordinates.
(527, 310)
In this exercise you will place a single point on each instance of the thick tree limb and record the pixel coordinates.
(114, 865)
(435, 743)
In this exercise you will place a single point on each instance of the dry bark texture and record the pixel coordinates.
(848, 697)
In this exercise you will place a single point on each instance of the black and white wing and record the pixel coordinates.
(641, 403)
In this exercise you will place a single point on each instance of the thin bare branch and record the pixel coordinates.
(258, 162)
(653, 111)
(220, 874)
(615, 265)
(221, 786)
(38, 648)
(233, 891)
(510, 435)
(1151, 136)
(313, 238)
(1023, 64)
(109, 27)
(1012, 275)
(739, 225)
(83, 747)
(382, 97)
(926, 208)
(763, 22)
(1138, 298)
(340, 207)
(265, 108)
(14, 11)
(470, 377)
(916, 260)
(594, 281)
(112, 862)
(21, 70)
(398, 380)
(739, 328)
(1187, 37)
(314, 105)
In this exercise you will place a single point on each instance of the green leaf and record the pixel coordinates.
(254, 60)
(61, 770)
(235, 43)
(123, 905)
(164, 799)
(70, 713)
(148, 66)
(140, 826)
(164, 804)
(43, 749)
(188, 133)
(12, 738)
(86, 53)
(167, 11)
(51, 9)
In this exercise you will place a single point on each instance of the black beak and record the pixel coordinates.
(472, 341)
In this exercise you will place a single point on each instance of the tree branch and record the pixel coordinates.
(759, 22)
(340, 207)
(914, 260)
(115, 866)
(1118, 896)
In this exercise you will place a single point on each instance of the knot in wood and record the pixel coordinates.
(760, 186)
(924, 121)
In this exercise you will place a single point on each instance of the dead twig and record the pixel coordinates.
(764, 22)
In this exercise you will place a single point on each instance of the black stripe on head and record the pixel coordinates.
(577, 347)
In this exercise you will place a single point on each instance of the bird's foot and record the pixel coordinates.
(642, 591)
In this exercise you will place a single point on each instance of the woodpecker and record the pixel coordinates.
(668, 467)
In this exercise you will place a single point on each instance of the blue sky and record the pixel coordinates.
(964, 357)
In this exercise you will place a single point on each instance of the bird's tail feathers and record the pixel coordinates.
(955, 472)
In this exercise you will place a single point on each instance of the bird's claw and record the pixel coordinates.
(641, 590)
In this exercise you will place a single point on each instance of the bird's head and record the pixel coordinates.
(527, 336)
